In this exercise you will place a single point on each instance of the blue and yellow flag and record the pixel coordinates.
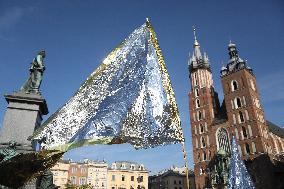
(127, 99)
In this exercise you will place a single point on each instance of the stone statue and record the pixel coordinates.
(8, 152)
(36, 73)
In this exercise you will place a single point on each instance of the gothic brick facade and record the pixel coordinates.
(240, 114)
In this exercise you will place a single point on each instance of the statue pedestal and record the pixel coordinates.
(23, 115)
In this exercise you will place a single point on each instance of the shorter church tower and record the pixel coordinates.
(245, 114)
(204, 106)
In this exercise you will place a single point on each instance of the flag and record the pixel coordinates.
(127, 99)
(239, 177)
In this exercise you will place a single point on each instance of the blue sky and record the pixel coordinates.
(77, 35)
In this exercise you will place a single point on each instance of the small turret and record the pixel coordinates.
(235, 63)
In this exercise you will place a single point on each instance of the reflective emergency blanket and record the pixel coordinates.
(127, 99)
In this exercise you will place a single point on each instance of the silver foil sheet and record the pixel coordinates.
(127, 99)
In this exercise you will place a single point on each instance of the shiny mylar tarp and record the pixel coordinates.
(127, 99)
(239, 177)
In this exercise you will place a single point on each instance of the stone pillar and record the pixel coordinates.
(23, 115)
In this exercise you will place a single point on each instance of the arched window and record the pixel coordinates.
(202, 142)
(199, 115)
(204, 156)
(223, 140)
(196, 91)
(209, 155)
(234, 85)
(197, 103)
(244, 132)
(247, 148)
(238, 103)
(241, 117)
(201, 128)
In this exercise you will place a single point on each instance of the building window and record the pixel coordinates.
(199, 115)
(204, 156)
(83, 180)
(223, 140)
(83, 170)
(175, 182)
(247, 148)
(141, 167)
(122, 178)
(74, 169)
(123, 166)
(196, 91)
(197, 103)
(113, 166)
(201, 128)
(238, 103)
(234, 85)
(198, 157)
(132, 178)
(73, 179)
(113, 177)
(202, 141)
(244, 132)
(179, 182)
(241, 117)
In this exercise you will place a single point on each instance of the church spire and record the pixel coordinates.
(197, 60)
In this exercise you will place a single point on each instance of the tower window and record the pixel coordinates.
(199, 115)
(202, 141)
(197, 103)
(241, 117)
(247, 148)
(201, 128)
(198, 156)
(244, 132)
(196, 91)
(238, 102)
(204, 156)
(234, 85)
(223, 140)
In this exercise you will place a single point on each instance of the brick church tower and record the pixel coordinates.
(241, 115)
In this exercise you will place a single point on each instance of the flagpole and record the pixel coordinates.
(185, 164)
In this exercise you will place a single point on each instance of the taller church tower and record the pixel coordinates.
(204, 106)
